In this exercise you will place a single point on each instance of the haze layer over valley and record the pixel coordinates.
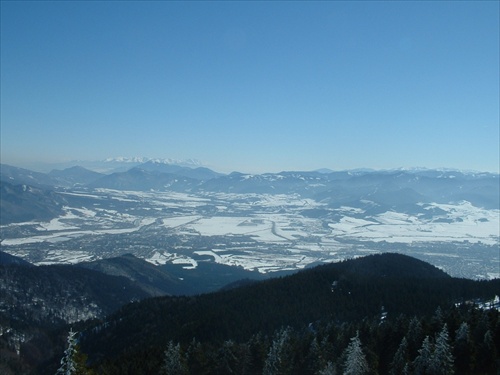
(184, 215)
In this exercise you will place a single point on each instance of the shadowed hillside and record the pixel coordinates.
(345, 292)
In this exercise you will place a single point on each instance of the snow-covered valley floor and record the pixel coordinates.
(255, 231)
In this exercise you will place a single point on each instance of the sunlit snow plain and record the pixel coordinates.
(255, 231)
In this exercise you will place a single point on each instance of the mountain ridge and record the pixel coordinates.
(23, 203)
(74, 176)
(347, 291)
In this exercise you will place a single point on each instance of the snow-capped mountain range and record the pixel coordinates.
(142, 159)
(110, 165)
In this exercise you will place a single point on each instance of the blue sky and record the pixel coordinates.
(253, 86)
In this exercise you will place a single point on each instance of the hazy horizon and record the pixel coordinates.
(99, 166)
(253, 86)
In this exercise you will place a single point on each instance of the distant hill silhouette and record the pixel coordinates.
(74, 176)
(20, 203)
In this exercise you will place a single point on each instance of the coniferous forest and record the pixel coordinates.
(461, 340)
(382, 314)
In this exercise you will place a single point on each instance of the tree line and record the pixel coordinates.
(460, 340)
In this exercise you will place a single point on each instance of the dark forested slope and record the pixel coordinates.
(343, 292)
(61, 294)
(147, 276)
(35, 301)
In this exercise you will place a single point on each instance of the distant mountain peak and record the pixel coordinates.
(124, 159)
(141, 159)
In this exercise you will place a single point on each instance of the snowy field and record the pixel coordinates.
(256, 231)
(462, 222)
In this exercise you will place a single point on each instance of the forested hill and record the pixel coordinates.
(390, 265)
(6, 259)
(346, 292)
(147, 276)
(58, 294)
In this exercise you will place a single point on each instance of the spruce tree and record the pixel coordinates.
(196, 357)
(279, 358)
(227, 361)
(424, 357)
(72, 362)
(328, 370)
(173, 362)
(355, 363)
(414, 336)
(438, 316)
(442, 358)
(400, 360)
(462, 333)
(315, 360)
